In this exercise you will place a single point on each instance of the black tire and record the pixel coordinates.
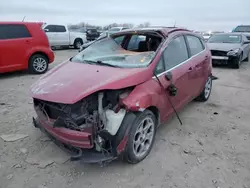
(34, 59)
(247, 59)
(78, 43)
(237, 64)
(203, 97)
(129, 154)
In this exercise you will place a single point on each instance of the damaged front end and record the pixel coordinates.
(92, 129)
(226, 57)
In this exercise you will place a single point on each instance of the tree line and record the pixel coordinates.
(87, 25)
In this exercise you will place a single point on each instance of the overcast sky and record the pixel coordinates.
(194, 14)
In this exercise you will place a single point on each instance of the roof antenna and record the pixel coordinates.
(174, 23)
(23, 18)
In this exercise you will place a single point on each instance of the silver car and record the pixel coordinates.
(229, 48)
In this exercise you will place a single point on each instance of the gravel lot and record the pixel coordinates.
(211, 149)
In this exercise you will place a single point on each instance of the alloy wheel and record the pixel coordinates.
(40, 64)
(143, 138)
(208, 87)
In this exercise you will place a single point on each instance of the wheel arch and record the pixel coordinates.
(156, 112)
(39, 53)
(78, 38)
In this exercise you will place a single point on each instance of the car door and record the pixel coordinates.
(199, 61)
(175, 59)
(15, 41)
(62, 36)
(51, 34)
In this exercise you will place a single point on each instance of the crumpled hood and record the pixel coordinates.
(70, 81)
(223, 46)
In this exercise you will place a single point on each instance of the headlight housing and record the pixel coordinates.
(234, 52)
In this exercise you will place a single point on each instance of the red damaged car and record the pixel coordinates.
(108, 100)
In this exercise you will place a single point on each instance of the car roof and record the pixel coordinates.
(243, 25)
(19, 22)
(233, 33)
(164, 30)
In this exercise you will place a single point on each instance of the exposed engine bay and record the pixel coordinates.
(100, 114)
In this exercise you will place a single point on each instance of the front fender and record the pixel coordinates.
(145, 95)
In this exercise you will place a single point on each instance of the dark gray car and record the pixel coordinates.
(229, 48)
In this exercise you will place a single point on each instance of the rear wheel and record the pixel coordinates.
(38, 64)
(78, 43)
(141, 137)
(205, 94)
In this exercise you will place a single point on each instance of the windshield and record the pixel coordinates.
(225, 39)
(107, 52)
(242, 29)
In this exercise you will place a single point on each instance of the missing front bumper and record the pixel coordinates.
(85, 155)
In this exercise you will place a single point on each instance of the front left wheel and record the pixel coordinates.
(38, 64)
(237, 63)
(141, 137)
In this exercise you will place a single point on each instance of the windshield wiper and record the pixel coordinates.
(100, 63)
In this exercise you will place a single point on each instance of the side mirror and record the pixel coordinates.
(46, 30)
(169, 76)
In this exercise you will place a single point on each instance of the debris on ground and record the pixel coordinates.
(13, 137)
(41, 186)
(39, 163)
(234, 127)
(45, 139)
(199, 161)
(44, 164)
(10, 176)
(17, 166)
(200, 142)
(23, 150)
(49, 155)
(216, 113)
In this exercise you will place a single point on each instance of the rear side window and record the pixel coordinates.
(195, 45)
(60, 28)
(50, 28)
(175, 53)
(13, 31)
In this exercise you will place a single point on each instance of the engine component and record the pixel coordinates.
(100, 109)
(114, 120)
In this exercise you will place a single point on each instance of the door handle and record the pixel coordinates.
(27, 41)
(206, 57)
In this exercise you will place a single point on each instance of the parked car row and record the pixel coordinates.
(35, 54)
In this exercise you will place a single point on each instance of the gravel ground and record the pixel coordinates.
(210, 150)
